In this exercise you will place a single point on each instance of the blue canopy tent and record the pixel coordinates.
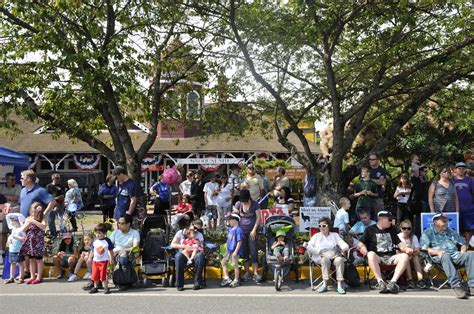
(12, 158)
(19, 162)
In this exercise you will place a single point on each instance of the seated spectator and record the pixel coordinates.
(185, 206)
(66, 256)
(408, 238)
(441, 241)
(181, 260)
(328, 246)
(124, 239)
(341, 221)
(84, 250)
(359, 227)
(378, 244)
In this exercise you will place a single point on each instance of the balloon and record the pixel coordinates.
(171, 175)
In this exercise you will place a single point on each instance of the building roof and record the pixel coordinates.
(29, 142)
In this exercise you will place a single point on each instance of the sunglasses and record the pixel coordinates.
(406, 228)
(323, 226)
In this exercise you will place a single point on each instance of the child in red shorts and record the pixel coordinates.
(101, 255)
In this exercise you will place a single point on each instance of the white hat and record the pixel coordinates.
(14, 216)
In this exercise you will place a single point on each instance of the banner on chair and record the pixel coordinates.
(427, 220)
(309, 217)
(281, 210)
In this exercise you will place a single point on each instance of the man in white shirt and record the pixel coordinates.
(211, 191)
(125, 239)
(185, 186)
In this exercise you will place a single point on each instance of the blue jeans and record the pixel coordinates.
(180, 265)
(52, 222)
(462, 259)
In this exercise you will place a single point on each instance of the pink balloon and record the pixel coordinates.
(171, 175)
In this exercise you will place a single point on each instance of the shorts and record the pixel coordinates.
(35, 257)
(211, 211)
(15, 257)
(64, 261)
(229, 257)
(99, 271)
(388, 259)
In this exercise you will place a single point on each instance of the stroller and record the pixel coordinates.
(279, 267)
(155, 260)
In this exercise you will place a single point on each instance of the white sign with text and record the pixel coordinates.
(309, 217)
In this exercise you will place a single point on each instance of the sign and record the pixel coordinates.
(209, 161)
(292, 173)
(309, 217)
(426, 221)
(280, 210)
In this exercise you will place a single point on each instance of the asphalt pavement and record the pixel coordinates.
(53, 296)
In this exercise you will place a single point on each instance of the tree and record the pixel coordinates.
(85, 66)
(354, 62)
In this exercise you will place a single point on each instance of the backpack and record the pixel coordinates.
(124, 275)
(351, 275)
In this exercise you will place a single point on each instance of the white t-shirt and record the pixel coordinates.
(224, 198)
(406, 194)
(101, 249)
(209, 189)
(415, 244)
(122, 240)
(185, 187)
(341, 219)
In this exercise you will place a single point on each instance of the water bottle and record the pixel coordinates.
(51, 272)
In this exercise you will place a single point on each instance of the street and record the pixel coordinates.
(61, 296)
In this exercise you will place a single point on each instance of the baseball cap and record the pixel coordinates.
(441, 216)
(234, 216)
(460, 165)
(385, 213)
(118, 170)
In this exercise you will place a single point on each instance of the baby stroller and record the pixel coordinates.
(155, 260)
(280, 267)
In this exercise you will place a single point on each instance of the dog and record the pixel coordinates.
(305, 218)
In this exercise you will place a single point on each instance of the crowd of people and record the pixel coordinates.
(234, 202)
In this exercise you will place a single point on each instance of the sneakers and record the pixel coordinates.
(460, 293)
(341, 290)
(421, 284)
(322, 289)
(180, 288)
(382, 287)
(257, 278)
(470, 291)
(225, 282)
(72, 278)
(93, 290)
(392, 287)
(87, 276)
(107, 291)
(245, 277)
(61, 274)
(234, 283)
(410, 284)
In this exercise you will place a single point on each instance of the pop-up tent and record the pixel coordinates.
(10, 157)
(11, 161)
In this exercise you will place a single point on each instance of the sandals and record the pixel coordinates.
(19, 280)
(7, 281)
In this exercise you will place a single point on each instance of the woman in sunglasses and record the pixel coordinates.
(442, 196)
(408, 238)
(329, 247)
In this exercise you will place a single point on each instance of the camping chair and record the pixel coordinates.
(315, 264)
(387, 272)
(434, 270)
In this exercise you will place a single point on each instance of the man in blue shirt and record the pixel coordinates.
(32, 192)
(358, 229)
(128, 192)
(162, 192)
(441, 242)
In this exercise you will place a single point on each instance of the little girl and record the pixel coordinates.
(15, 240)
(191, 241)
(66, 256)
(402, 194)
(73, 202)
(33, 246)
(84, 250)
(411, 241)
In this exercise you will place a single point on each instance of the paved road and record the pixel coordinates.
(65, 297)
